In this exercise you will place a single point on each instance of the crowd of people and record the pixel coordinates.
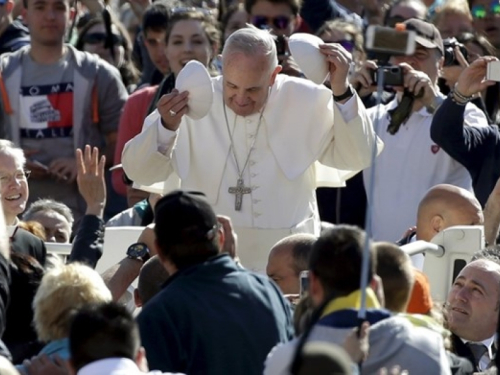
(275, 186)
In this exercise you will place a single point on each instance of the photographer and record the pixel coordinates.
(461, 52)
(475, 148)
(410, 163)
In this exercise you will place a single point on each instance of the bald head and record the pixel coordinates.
(445, 206)
(287, 259)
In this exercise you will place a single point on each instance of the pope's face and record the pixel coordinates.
(247, 80)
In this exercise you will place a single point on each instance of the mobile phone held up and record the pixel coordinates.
(304, 283)
(390, 41)
(493, 71)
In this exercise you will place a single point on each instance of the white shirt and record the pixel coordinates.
(410, 164)
(116, 366)
(487, 357)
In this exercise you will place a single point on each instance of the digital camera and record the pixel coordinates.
(393, 75)
(450, 58)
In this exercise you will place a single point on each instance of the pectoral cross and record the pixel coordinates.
(239, 190)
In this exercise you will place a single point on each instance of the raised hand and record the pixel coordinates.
(362, 80)
(339, 61)
(230, 236)
(473, 78)
(90, 179)
(419, 84)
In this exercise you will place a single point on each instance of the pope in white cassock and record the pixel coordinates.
(267, 142)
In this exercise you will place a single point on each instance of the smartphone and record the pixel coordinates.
(304, 282)
(493, 71)
(388, 40)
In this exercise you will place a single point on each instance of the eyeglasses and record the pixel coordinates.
(17, 176)
(96, 38)
(263, 22)
(480, 11)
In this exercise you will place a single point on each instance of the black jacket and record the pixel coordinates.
(15, 36)
(477, 149)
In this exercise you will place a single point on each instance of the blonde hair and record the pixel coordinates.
(63, 290)
(460, 7)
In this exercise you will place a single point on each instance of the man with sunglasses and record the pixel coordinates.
(55, 99)
(486, 19)
(281, 18)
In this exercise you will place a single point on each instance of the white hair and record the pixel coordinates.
(251, 41)
(9, 148)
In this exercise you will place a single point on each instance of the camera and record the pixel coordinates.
(280, 45)
(393, 75)
(450, 59)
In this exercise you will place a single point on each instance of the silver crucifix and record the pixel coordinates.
(239, 190)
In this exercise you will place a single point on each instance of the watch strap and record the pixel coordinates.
(144, 258)
(349, 92)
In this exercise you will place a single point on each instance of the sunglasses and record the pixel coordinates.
(96, 38)
(480, 11)
(263, 22)
(347, 44)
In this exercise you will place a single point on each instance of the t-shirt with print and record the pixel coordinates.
(46, 125)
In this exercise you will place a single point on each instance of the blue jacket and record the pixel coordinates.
(214, 318)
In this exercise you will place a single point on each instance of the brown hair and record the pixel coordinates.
(395, 270)
(34, 227)
(293, 4)
(210, 25)
(129, 73)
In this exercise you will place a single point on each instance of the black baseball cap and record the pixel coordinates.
(184, 217)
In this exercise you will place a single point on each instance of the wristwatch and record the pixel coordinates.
(349, 92)
(138, 251)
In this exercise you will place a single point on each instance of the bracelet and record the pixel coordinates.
(454, 98)
(461, 96)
